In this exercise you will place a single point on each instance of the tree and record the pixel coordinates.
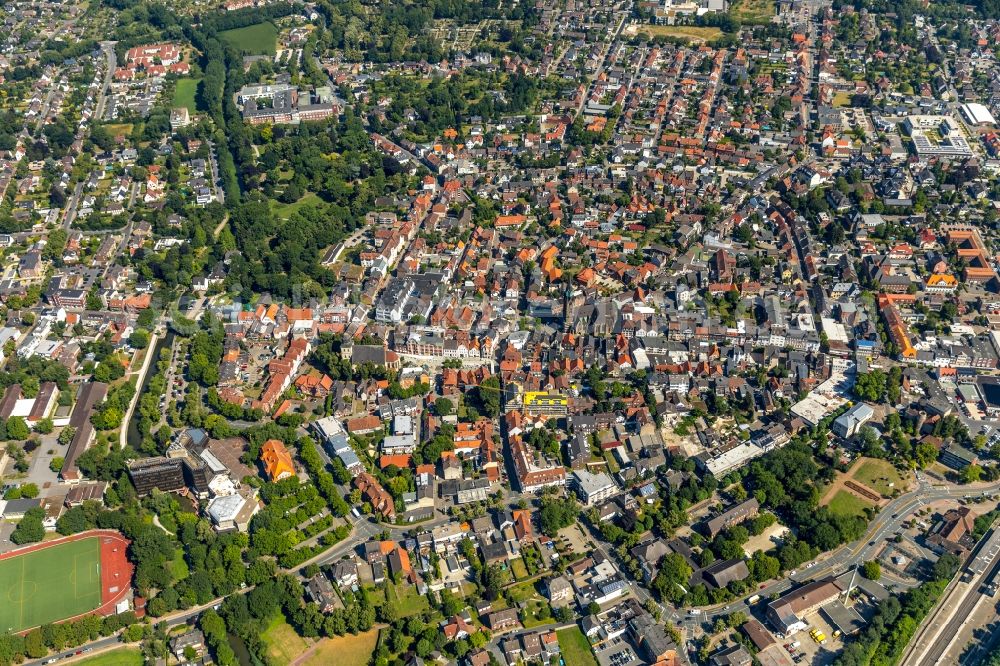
(671, 580)
(764, 567)
(870, 386)
(488, 394)
(29, 491)
(17, 428)
(557, 513)
(139, 339)
(30, 529)
(56, 464)
(871, 570)
(493, 578)
(44, 426)
(443, 407)
(66, 435)
(970, 474)
(593, 608)
(946, 567)
(73, 521)
(34, 644)
(736, 619)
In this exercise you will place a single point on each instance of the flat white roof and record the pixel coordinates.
(978, 114)
(835, 331)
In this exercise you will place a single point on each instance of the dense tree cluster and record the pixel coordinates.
(787, 481)
(557, 513)
(284, 523)
(15, 648)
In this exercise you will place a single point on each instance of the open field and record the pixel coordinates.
(575, 648)
(537, 612)
(692, 33)
(119, 657)
(285, 211)
(344, 650)
(114, 129)
(407, 599)
(842, 99)
(518, 569)
(752, 11)
(844, 503)
(50, 584)
(184, 93)
(283, 644)
(879, 475)
(256, 39)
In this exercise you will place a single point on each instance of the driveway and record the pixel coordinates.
(39, 472)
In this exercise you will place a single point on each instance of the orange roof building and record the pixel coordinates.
(277, 460)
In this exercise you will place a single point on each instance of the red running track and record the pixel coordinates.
(116, 570)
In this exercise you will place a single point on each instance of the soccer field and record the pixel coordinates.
(51, 584)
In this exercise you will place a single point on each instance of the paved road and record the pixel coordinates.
(111, 64)
(172, 620)
(73, 205)
(600, 66)
(942, 639)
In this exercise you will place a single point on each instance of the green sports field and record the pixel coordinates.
(256, 39)
(51, 584)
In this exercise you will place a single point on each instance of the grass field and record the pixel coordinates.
(518, 569)
(114, 129)
(283, 644)
(407, 599)
(575, 648)
(179, 568)
(536, 612)
(345, 650)
(120, 657)
(692, 33)
(53, 584)
(256, 39)
(184, 93)
(521, 592)
(880, 476)
(844, 503)
(842, 99)
(753, 11)
(284, 211)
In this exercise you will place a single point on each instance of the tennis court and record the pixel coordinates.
(50, 584)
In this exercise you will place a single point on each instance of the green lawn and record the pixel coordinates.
(283, 644)
(842, 99)
(699, 34)
(537, 612)
(521, 592)
(753, 11)
(284, 211)
(575, 647)
(880, 476)
(48, 585)
(119, 657)
(845, 503)
(179, 568)
(184, 93)
(346, 650)
(407, 599)
(518, 569)
(256, 39)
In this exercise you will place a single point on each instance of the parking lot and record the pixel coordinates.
(616, 652)
(574, 538)
(809, 651)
